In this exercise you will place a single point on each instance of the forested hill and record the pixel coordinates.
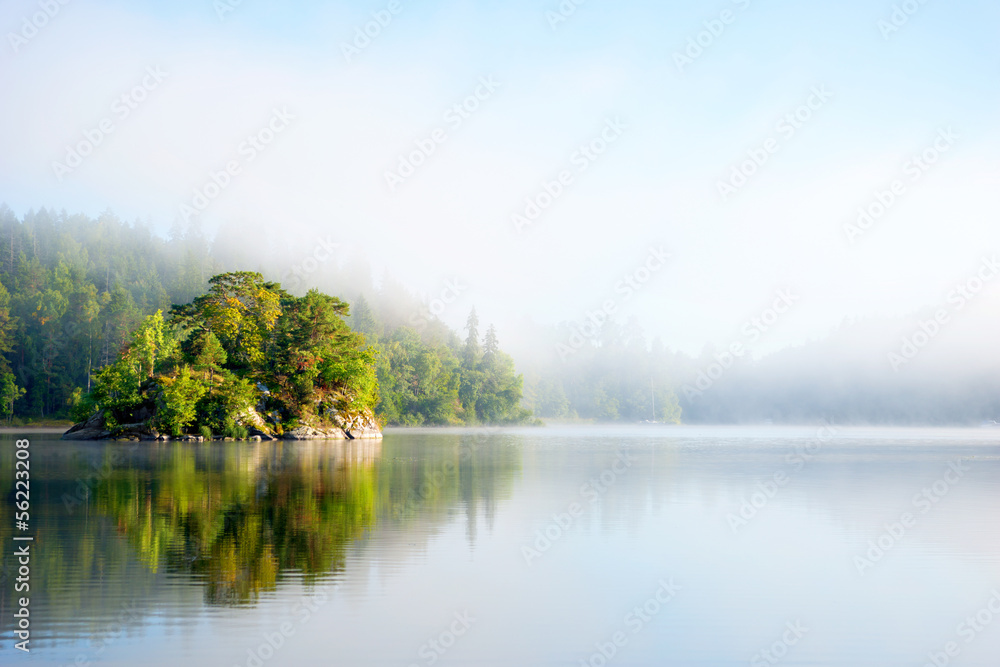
(73, 288)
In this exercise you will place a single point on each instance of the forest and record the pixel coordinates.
(103, 313)
(74, 289)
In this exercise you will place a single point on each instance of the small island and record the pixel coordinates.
(245, 361)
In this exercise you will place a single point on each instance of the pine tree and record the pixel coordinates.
(472, 351)
(491, 346)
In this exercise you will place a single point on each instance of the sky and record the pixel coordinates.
(540, 155)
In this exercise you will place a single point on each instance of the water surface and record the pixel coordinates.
(636, 545)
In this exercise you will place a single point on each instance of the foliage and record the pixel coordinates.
(246, 344)
(178, 401)
(447, 382)
(77, 295)
(619, 377)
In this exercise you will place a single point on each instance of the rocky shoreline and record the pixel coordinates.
(359, 427)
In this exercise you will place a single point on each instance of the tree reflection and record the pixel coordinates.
(239, 517)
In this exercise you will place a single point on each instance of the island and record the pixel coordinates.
(245, 361)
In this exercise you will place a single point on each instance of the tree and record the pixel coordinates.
(241, 309)
(490, 346)
(150, 342)
(9, 392)
(205, 353)
(364, 322)
(178, 401)
(220, 407)
(471, 353)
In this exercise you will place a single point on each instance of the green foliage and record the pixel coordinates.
(317, 359)
(226, 401)
(245, 344)
(205, 432)
(623, 378)
(9, 393)
(179, 398)
(440, 383)
(241, 310)
(83, 329)
(205, 353)
(73, 290)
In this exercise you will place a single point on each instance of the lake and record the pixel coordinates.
(624, 545)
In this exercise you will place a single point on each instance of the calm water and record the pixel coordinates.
(638, 545)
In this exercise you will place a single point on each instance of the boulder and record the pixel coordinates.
(358, 426)
(91, 429)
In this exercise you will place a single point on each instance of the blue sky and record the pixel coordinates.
(655, 185)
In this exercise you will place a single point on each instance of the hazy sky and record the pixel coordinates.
(200, 78)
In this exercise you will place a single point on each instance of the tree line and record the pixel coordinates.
(88, 317)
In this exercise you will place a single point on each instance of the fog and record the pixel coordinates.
(792, 207)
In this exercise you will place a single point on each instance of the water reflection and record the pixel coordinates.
(217, 546)
(237, 518)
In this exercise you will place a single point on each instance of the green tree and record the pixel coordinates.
(472, 352)
(241, 309)
(178, 401)
(205, 353)
(9, 393)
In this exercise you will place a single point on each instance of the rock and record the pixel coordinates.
(358, 426)
(303, 433)
(92, 429)
(259, 434)
(344, 427)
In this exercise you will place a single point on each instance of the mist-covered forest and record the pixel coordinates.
(73, 288)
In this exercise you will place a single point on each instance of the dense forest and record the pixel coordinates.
(74, 289)
(82, 301)
(246, 358)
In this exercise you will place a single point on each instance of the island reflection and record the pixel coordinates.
(237, 517)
